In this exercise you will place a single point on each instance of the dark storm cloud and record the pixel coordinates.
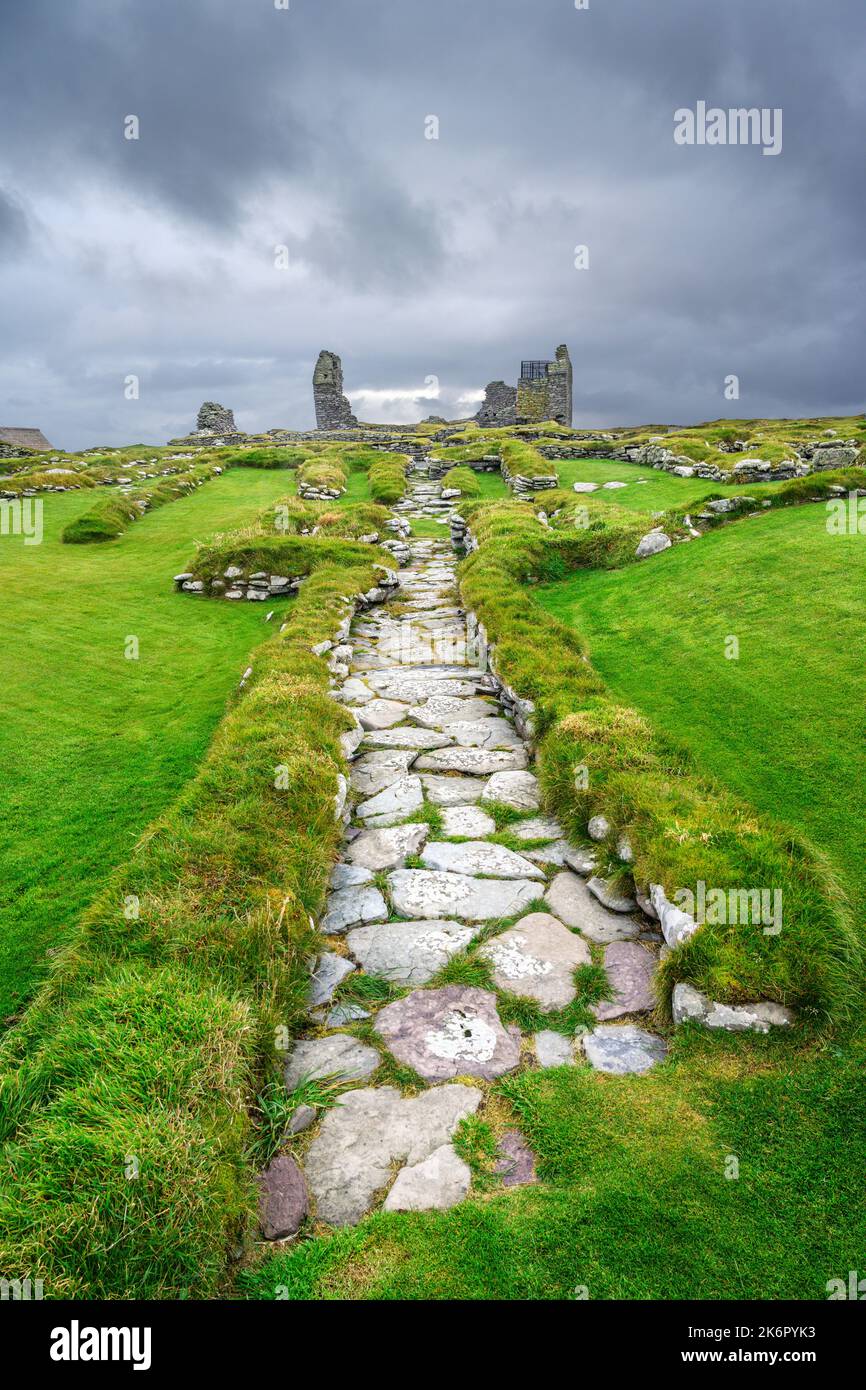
(305, 128)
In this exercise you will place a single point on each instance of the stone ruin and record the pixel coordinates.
(333, 411)
(544, 392)
(15, 443)
(499, 407)
(216, 419)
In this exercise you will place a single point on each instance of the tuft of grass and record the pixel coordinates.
(388, 478)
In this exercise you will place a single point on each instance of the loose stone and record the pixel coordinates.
(519, 790)
(339, 1056)
(613, 899)
(409, 953)
(386, 849)
(689, 1004)
(478, 857)
(425, 893)
(474, 761)
(393, 804)
(328, 974)
(470, 822)
(630, 971)
(440, 1181)
(350, 906)
(351, 1159)
(553, 1049)
(571, 901)
(620, 1049)
(516, 1162)
(283, 1199)
(453, 791)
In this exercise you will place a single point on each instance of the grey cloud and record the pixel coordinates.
(411, 257)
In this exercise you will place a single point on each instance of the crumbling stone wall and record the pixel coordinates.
(216, 419)
(499, 407)
(547, 397)
(333, 411)
(559, 379)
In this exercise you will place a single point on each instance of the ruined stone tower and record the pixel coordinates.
(544, 391)
(333, 411)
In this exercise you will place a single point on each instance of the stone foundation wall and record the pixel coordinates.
(235, 584)
(817, 457)
(485, 463)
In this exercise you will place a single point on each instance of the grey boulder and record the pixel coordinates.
(338, 1057)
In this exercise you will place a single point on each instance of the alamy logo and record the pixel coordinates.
(854, 1289)
(846, 516)
(22, 516)
(733, 906)
(21, 1290)
(739, 125)
(77, 1343)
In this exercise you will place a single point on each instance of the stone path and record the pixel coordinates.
(407, 898)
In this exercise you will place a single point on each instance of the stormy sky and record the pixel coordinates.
(416, 258)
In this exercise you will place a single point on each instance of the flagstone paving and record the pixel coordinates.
(422, 881)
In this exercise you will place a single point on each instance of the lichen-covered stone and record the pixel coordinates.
(536, 959)
(448, 1032)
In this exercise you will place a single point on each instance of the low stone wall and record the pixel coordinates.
(235, 584)
(122, 480)
(522, 486)
(484, 463)
(815, 457)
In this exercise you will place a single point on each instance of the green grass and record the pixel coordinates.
(634, 1201)
(136, 1090)
(684, 825)
(93, 745)
(783, 724)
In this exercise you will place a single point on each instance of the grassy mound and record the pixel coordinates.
(388, 478)
(683, 827)
(774, 724)
(464, 480)
(284, 457)
(109, 517)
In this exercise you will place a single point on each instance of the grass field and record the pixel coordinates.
(783, 724)
(93, 745)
